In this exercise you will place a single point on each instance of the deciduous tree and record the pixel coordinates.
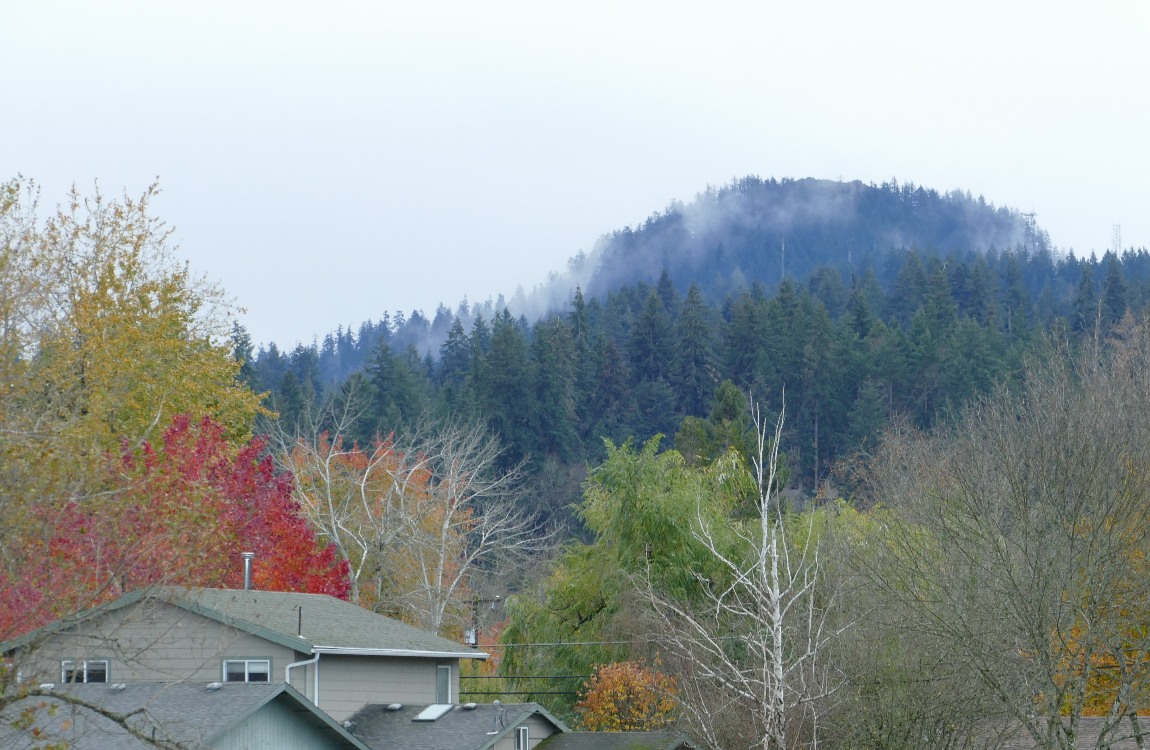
(1020, 541)
(627, 697)
(177, 513)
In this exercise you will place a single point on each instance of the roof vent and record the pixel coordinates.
(47, 685)
(248, 557)
(394, 706)
(468, 706)
(214, 685)
(118, 687)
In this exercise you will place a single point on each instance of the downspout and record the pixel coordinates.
(315, 677)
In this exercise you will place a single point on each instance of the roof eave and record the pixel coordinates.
(420, 653)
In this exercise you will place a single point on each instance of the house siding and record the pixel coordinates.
(273, 727)
(157, 642)
(349, 682)
(538, 730)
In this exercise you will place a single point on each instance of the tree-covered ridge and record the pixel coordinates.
(910, 334)
(762, 230)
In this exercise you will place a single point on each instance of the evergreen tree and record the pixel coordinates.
(651, 343)
(742, 335)
(242, 352)
(612, 401)
(1113, 294)
(505, 388)
(909, 292)
(584, 358)
(454, 364)
(400, 392)
(1085, 308)
(554, 389)
(694, 362)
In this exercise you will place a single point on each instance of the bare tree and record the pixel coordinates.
(474, 516)
(1018, 544)
(754, 649)
(416, 518)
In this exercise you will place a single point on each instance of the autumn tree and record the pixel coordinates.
(626, 697)
(104, 338)
(1020, 543)
(178, 513)
(418, 518)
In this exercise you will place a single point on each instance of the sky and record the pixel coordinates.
(326, 162)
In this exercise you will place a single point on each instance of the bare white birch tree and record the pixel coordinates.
(754, 650)
(417, 519)
(473, 517)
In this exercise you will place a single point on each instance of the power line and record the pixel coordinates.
(570, 643)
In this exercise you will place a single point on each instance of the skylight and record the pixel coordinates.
(433, 712)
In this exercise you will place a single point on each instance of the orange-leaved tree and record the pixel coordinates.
(627, 697)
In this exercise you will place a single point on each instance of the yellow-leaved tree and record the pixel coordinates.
(104, 338)
(627, 696)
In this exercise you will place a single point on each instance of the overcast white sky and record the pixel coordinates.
(326, 161)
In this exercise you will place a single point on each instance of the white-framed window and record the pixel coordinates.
(522, 736)
(443, 683)
(91, 670)
(247, 670)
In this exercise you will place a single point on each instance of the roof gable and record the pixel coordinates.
(185, 714)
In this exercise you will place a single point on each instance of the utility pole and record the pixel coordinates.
(471, 634)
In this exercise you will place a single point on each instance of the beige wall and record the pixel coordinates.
(154, 641)
(537, 730)
(348, 682)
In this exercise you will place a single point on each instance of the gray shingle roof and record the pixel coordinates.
(662, 740)
(185, 714)
(459, 729)
(326, 624)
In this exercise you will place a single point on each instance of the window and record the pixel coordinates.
(84, 671)
(443, 683)
(521, 738)
(247, 670)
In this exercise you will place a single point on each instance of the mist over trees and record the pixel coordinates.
(859, 330)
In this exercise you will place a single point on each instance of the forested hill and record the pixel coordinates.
(760, 230)
(857, 333)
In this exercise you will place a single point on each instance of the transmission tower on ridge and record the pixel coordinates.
(1029, 232)
(1116, 240)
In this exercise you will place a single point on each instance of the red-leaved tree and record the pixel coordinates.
(178, 513)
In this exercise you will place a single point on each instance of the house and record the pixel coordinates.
(224, 668)
(660, 740)
(336, 654)
(191, 716)
(472, 726)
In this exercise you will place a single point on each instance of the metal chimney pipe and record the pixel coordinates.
(248, 557)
